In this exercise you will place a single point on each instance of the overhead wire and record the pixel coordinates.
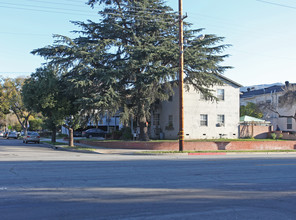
(43, 7)
(277, 4)
(61, 10)
(56, 3)
(30, 34)
(40, 10)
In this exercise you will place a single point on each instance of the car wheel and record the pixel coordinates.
(38, 142)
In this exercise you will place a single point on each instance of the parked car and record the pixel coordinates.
(12, 134)
(5, 134)
(94, 132)
(77, 133)
(31, 137)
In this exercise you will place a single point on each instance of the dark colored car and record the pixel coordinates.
(94, 132)
(77, 133)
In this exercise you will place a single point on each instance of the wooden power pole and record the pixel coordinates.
(181, 73)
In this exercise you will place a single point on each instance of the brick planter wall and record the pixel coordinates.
(196, 146)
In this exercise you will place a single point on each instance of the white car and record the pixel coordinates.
(32, 137)
(12, 134)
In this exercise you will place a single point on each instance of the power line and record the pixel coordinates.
(60, 12)
(15, 33)
(277, 4)
(224, 24)
(34, 6)
(55, 3)
(55, 12)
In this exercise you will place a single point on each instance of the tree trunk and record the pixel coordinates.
(71, 141)
(54, 135)
(143, 129)
(97, 122)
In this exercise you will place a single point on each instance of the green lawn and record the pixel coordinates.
(195, 140)
(78, 148)
(56, 143)
(218, 151)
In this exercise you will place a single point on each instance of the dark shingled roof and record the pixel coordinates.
(269, 90)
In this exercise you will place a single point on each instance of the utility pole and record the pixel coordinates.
(181, 66)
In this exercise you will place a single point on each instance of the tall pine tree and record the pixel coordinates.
(130, 57)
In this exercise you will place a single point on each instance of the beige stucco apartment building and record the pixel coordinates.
(202, 119)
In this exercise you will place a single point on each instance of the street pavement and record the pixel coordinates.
(38, 182)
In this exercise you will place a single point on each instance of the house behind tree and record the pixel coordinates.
(268, 99)
(203, 119)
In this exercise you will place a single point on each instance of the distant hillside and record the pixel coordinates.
(262, 86)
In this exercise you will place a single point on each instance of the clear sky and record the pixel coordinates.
(262, 33)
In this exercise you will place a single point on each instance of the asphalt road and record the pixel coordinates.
(37, 182)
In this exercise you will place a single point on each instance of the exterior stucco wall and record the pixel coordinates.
(194, 106)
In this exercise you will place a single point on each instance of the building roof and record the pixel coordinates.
(272, 89)
(247, 118)
(229, 81)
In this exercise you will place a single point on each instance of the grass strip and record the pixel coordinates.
(53, 143)
(195, 140)
(218, 151)
(78, 148)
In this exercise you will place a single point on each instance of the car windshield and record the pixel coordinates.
(33, 133)
(94, 130)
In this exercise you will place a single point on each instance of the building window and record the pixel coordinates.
(170, 125)
(203, 120)
(220, 120)
(171, 120)
(289, 123)
(201, 96)
(220, 94)
(156, 119)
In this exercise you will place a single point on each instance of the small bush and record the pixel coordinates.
(273, 136)
(126, 133)
(116, 135)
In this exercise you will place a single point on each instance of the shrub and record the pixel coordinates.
(126, 133)
(116, 135)
(273, 136)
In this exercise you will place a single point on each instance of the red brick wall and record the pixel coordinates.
(256, 131)
(197, 146)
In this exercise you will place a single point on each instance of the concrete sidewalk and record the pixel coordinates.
(100, 150)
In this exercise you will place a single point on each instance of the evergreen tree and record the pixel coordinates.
(130, 58)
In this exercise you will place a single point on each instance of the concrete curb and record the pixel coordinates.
(99, 151)
(74, 150)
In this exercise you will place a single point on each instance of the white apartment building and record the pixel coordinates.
(203, 119)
